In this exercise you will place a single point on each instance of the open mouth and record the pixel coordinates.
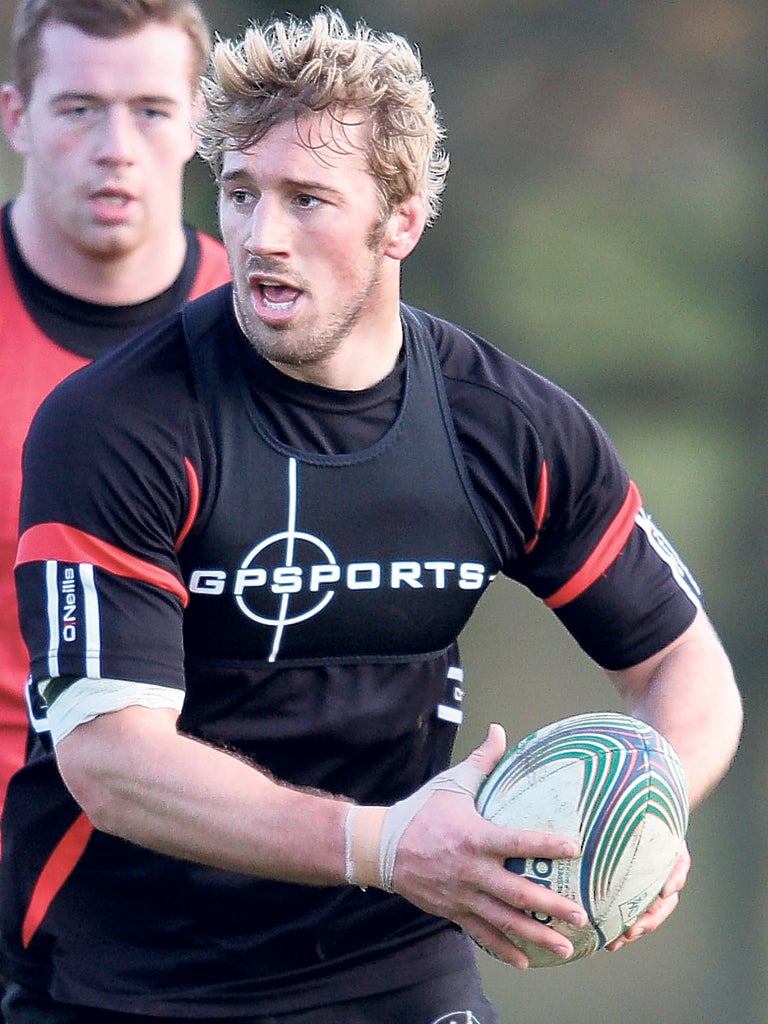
(110, 202)
(275, 301)
(276, 296)
(113, 198)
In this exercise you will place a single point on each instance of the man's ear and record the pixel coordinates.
(13, 112)
(405, 227)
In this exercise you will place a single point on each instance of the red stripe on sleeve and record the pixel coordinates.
(611, 543)
(55, 541)
(540, 507)
(194, 503)
(57, 870)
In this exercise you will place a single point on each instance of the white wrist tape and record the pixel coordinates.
(350, 868)
(372, 834)
(362, 831)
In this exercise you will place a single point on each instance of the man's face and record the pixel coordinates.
(308, 247)
(105, 136)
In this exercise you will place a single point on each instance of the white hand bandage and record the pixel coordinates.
(373, 834)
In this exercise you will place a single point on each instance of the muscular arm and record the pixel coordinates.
(687, 691)
(137, 777)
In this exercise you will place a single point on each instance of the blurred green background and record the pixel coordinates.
(605, 222)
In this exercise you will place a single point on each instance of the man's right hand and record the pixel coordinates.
(438, 852)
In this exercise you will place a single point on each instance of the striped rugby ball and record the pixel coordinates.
(617, 786)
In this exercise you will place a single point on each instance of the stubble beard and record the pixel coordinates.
(294, 346)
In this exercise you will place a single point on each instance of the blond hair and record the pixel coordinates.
(288, 68)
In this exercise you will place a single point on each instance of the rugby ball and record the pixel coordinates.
(615, 785)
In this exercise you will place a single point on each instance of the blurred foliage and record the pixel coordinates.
(605, 222)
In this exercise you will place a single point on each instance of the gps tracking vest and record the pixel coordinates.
(375, 554)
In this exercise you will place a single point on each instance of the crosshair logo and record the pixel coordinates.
(291, 576)
(287, 578)
(289, 536)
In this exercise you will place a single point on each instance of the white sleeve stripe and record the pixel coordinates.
(92, 623)
(86, 699)
(52, 608)
(668, 554)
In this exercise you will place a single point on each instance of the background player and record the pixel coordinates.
(93, 247)
(242, 598)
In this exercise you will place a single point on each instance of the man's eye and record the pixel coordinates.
(154, 113)
(75, 112)
(307, 202)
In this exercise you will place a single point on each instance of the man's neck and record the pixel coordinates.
(370, 364)
(120, 280)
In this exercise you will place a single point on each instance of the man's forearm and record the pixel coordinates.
(135, 776)
(689, 694)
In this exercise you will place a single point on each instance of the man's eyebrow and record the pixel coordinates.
(70, 95)
(61, 97)
(238, 175)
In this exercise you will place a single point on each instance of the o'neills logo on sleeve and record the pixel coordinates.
(73, 615)
(68, 606)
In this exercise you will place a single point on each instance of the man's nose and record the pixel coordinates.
(270, 228)
(118, 136)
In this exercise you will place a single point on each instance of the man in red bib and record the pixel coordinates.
(94, 247)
